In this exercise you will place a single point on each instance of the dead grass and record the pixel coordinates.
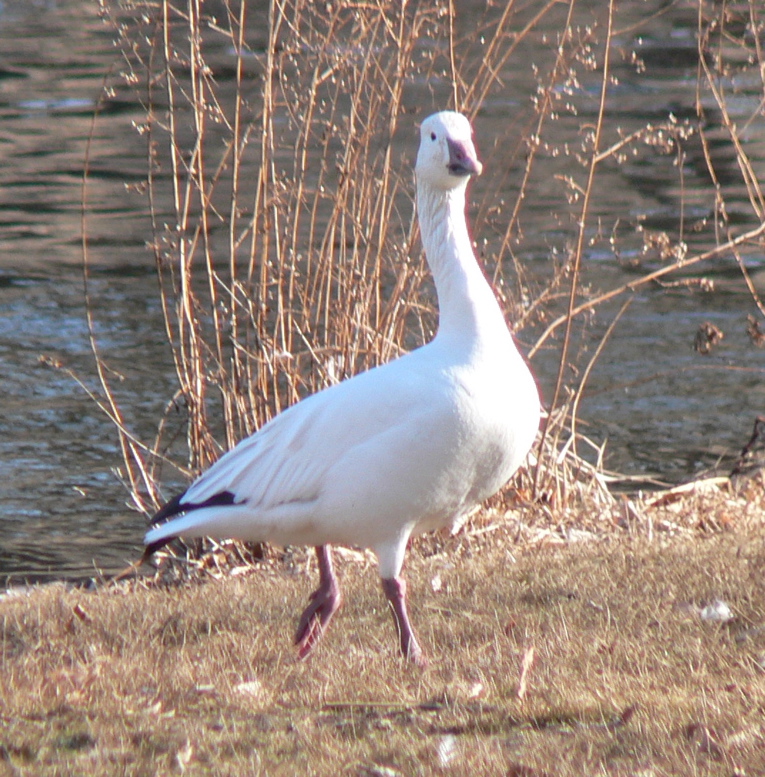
(622, 674)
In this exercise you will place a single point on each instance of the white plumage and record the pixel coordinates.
(404, 448)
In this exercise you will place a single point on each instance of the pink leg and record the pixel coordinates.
(325, 601)
(395, 590)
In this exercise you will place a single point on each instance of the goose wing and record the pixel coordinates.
(361, 433)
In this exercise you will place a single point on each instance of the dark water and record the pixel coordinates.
(664, 409)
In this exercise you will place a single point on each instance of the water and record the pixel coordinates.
(664, 409)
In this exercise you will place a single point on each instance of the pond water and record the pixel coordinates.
(665, 410)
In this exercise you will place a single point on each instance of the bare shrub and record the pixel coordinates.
(285, 245)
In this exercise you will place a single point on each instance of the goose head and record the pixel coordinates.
(447, 156)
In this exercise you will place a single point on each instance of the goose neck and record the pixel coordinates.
(466, 302)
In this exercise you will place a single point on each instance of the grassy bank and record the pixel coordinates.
(548, 657)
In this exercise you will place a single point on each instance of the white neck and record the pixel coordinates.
(467, 306)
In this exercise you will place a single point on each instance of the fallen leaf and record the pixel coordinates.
(183, 756)
(718, 612)
(526, 664)
(376, 770)
(250, 687)
(447, 749)
(82, 613)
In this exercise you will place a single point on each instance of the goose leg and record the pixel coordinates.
(325, 601)
(395, 590)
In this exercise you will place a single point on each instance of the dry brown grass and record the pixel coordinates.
(622, 675)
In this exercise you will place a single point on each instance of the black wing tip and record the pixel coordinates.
(169, 509)
(153, 547)
(175, 507)
(221, 499)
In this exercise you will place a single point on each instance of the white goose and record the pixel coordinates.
(402, 449)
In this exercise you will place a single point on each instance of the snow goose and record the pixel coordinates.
(404, 448)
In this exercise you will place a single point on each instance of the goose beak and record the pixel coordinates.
(462, 158)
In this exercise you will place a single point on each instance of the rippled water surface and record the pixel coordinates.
(664, 409)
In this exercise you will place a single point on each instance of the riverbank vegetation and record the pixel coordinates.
(279, 182)
(573, 628)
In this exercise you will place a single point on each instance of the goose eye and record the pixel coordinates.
(432, 135)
